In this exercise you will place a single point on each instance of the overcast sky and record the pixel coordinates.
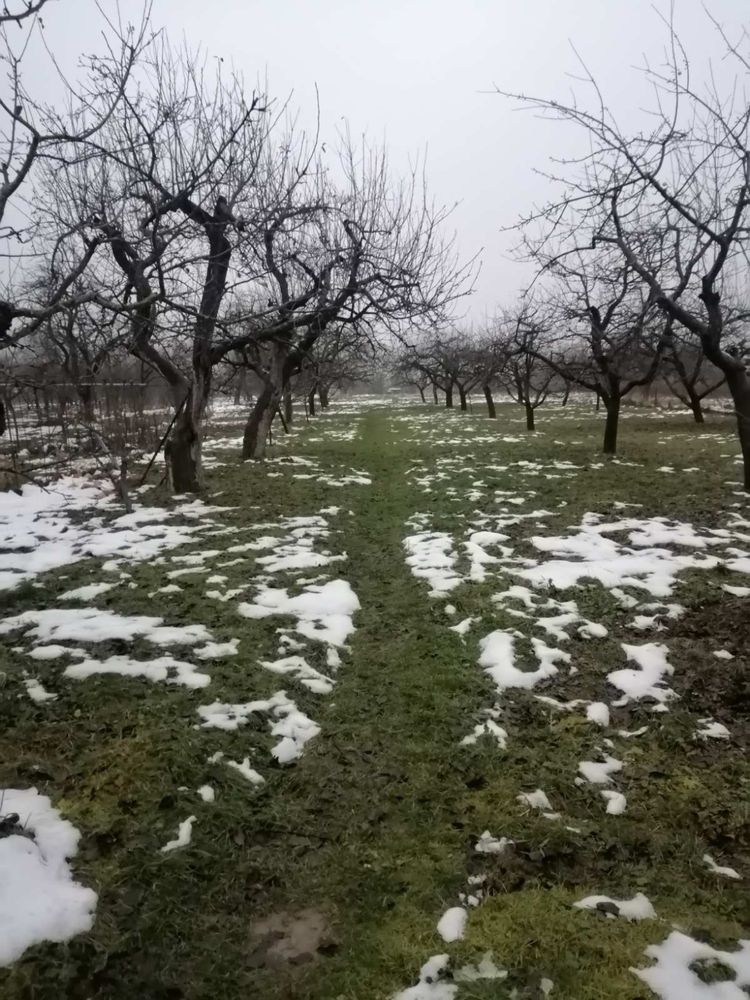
(418, 73)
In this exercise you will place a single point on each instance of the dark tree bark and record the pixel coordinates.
(288, 405)
(311, 402)
(435, 399)
(421, 393)
(261, 416)
(696, 406)
(612, 403)
(323, 397)
(187, 472)
(449, 396)
(530, 417)
(491, 411)
(86, 395)
(462, 398)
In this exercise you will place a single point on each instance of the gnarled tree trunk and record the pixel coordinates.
(491, 411)
(462, 398)
(259, 422)
(449, 396)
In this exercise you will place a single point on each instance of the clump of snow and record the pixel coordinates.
(162, 668)
(207, 793)
(719, 869)
(672, 978)
(298, 667)
(646, 563)
(712, 730)
(323, 611)
(248, 773)
(39, 900)
(86, 593)
(498, 660)
(616, 802)
(637, 908)
(487, 844)
(183, 838)
(431, 557)
(599, 773)
(217, 650)
(648, 680)
(36, 691)
(452, 924)
(535, 800)
(93, 625)
(431, 985)
(484, 969)
(598, 712)
(293, 727)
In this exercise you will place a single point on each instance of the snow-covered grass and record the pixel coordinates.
(453, 687)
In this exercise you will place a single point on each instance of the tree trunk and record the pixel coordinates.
(612, 404)
(565, 395)
(311, 402)
(421, 393)
(86, 396)
(288, 405)
(696, 406)
(261, 417)
(530, 421)
(323, 397)
(449, 397)
(738, 383)
(491, 411)
(598, 401)
(434, 394)
(185, 451)
(462, 398)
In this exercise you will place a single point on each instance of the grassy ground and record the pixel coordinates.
(375, 825)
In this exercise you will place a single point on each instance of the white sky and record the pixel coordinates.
(417, 73)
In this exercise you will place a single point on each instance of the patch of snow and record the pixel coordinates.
(183, 838)
(487, 844)
(36, 690)
(452, 924)
(431, 985)
(598, 712)
(672, 978)
(599, 773)
(39, 900)
(637, 908)
(86, 593)
(648, 680)
(323, 612)
(484, 969)
(616, 802)
(719, 869)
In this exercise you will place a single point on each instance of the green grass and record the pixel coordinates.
(375, 825)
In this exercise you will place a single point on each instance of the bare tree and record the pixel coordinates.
(526, 375)
(683, 186)
(32, 134)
